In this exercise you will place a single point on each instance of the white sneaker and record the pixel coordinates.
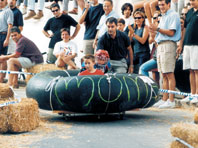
(186, 99)
(160, 102)
(168, 104)
(194, 100)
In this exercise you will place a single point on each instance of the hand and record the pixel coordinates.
(152, 28)
(50, 35)
(87, 5)
(130, 70)
(130, 29)
(178, 51)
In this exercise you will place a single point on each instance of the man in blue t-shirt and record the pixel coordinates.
(90, 17)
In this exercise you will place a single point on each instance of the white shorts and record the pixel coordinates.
(26, 62)
(190, 59)
(88, 47)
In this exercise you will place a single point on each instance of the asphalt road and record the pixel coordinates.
(147, 128)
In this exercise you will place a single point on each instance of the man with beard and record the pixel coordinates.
(117, 44)
(55, 24)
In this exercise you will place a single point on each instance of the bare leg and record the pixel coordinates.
(71, 65)
(165, 86)
(3, 66)
(13, 65)
(171, 84)
(196, 80)
(192, 82)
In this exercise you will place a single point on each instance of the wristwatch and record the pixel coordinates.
(158, 29)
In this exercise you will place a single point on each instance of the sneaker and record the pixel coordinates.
(160, 102)
(30, 15)
(186, 99)
(168, 104)
(194, 100)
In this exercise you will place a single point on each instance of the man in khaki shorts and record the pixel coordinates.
(190, 53)
(168, 33)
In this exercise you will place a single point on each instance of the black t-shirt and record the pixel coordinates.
(56, 24)
(92, 20)
(18, 17)
(191, 25)
(117, 47)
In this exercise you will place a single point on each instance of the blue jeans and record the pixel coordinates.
(147, 66)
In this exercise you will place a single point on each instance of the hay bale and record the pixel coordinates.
(3, 118)
(176, 144)
(20, 117)
(41, 67)
(6, 92)
(196, 117)
(187, 132)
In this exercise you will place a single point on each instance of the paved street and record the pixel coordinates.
(147, 128)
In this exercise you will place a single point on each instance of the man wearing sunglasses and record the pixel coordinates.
(168, 33)
(6, 23)
(55, 24)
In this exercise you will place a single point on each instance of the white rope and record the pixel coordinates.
(67, 73)
(16, 72)
(50, 87)
(109, 94)
(149, 82)
(12, 102)
(177, 93)
(183, 142)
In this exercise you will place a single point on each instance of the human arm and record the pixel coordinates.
(144, 37)
(76, 31)
(6, 42)
(83, 16)
(47, 34)
(168, 32)
(180, 47)
(131, 59)
(7, 57)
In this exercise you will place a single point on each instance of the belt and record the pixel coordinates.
(4, 32)
(161, 42)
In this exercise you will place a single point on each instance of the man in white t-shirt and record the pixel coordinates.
(65, 51)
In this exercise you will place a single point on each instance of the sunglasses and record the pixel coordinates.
(137, 18)
(183, 13)
(2, 0)
(155, 18)
(55, 10)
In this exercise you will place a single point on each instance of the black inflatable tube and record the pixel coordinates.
(91, 94)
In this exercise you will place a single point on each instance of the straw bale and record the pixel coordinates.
(176, 144)
(187, 132)
(3, 119)
(20, 117)
(5, 92)
(196, 117)
(41, 67)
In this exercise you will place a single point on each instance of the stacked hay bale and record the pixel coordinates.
(186, 132)
(17, 117)
(41, 67)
